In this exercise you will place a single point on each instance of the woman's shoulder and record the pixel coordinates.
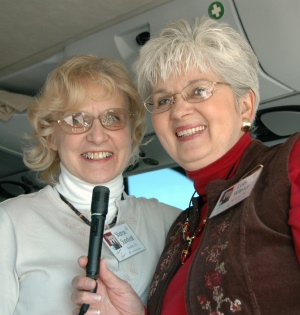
(26, 201)
(263, 152)
(150, 202)
(289, 150)
(150, 207)
(148, 212)
(296, 148)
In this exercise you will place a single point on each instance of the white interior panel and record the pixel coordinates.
(274, 39)
(271, 26)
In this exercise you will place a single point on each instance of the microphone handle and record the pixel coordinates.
(95, 246)
(99, 210)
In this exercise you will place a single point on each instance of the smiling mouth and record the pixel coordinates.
(189, 132)
(96, 155)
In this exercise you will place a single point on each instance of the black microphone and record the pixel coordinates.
(99, 210)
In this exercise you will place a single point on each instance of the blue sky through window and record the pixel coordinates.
(166, 185)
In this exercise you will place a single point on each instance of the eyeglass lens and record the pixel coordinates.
(112, 119)
(195, 92)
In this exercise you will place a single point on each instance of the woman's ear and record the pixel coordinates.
(247, 106)
(51, 142)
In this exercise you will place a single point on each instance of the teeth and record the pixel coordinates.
(189, 132)
(96, 155)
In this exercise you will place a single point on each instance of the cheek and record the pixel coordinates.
(64, 142)
(125, 141)
(157, 123)
(224, 118)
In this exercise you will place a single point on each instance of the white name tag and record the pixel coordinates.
(122, 242)
(237, 192)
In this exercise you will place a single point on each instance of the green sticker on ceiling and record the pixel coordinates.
(216, 10)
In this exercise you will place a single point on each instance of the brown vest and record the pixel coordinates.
(246, 262)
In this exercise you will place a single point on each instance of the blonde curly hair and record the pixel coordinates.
(65, 88)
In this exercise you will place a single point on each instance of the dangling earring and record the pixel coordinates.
(246, 125)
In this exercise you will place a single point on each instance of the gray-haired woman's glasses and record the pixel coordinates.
(196, 92)
(79, 122)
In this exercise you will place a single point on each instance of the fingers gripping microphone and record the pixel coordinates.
(99, 210)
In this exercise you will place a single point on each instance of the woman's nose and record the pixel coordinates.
(97, 133)
(180, 107)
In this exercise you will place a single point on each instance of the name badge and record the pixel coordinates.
(237, 192)
(122, 242)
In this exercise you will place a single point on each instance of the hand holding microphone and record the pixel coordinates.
(99, 210)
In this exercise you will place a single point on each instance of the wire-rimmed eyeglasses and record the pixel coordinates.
(80, 122)
(195, 92)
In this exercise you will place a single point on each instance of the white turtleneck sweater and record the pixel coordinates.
(41, 239)
(79, 193)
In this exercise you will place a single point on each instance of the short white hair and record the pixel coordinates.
(209, 46)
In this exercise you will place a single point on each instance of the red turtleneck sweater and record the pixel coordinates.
(225, 167)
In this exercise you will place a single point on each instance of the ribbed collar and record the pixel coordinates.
(224, 167)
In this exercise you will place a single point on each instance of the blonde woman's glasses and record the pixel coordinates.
(80, 122)
(196, 92)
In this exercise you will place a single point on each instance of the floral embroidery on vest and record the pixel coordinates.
(213, 277)
(169, 256)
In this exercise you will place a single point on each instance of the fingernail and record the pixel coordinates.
(91, 283)
(96, 312)
(96, 297)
